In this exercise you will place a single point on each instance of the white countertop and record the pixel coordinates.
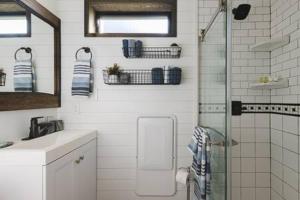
(44, 150)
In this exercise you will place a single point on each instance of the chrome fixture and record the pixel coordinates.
(221, 8)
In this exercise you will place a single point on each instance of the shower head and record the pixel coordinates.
(241, 12)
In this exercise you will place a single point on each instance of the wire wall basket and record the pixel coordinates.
(156, 76)
(153, 52)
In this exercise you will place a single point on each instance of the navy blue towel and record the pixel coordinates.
(138, 48)
(174, 75)
(157, 76)
(125, 48)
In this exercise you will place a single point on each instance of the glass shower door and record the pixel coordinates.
(213, 100)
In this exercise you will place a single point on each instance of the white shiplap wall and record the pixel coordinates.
(113, 110)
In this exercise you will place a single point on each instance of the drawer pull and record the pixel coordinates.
(81, 158)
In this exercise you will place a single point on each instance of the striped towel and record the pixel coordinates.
(82, 84)
(24, 76)
(200, 147)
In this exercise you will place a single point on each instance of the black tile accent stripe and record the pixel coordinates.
(275, 108)
(267, 108)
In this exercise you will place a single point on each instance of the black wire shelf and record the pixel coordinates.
(153, 52)
(156, 76)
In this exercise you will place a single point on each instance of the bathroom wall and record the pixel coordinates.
(15, 124)
(285, 131)
(113, 110)
(251, 158)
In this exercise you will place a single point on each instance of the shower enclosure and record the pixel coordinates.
(214, 95)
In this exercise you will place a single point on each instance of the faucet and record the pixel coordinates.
(44, 128)
(34, 128)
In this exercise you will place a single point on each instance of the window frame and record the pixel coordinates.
(172, 16)
(28, 19)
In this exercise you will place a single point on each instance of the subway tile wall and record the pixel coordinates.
(285, 154)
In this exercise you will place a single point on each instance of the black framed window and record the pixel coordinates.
(15, 21)
(130, 18)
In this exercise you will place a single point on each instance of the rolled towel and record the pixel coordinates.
(138, 48)
(131, 48)
(82, 84)
(24, 76)
(125, 48)
(174, 74)
(157, 76)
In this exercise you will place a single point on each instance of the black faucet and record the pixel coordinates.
(34, 128)
(44, 128)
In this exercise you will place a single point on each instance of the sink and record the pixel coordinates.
(46, 149)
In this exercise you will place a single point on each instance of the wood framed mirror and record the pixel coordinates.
(46, 53)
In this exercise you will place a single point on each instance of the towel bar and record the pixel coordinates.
(27, 50)
(223, 143)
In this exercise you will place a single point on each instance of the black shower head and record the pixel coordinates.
(241, 12)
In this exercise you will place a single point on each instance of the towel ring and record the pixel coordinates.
(28, 50)
(87, 50)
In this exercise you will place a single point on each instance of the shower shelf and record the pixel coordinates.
(283, 83)
(172, 52)
(272, 44)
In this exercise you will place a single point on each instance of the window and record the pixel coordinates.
(126, 18)
(13, 25)
(133, 24)
(14, 20)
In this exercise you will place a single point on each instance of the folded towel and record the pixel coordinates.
(125, 48)
(82, 84)
(24, 77)
(157, 76)
(200, 148)
(131, 48)
(138, 48)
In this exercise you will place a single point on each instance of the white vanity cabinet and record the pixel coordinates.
(61, 166)
(72, 176)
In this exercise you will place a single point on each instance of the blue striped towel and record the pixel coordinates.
(200, 147)
(82, 84)
(24, 76)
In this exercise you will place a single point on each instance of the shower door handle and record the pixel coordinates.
(223, 143)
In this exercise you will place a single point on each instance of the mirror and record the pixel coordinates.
(15, 62)
(30, 56)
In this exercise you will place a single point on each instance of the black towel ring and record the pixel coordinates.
(27, 50)
(87, 50)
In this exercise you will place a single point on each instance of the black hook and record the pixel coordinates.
(87, 50)
(26, 49)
